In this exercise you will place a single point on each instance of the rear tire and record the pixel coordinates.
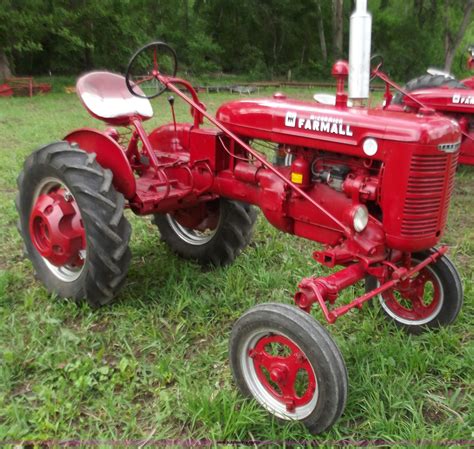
(426, 82)
(283, 358)
(218, 247)
(107, 233)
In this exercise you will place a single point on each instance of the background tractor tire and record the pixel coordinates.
(218, 247)
(427, 82)
(99, 206)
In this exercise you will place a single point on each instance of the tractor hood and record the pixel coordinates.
(314, 125)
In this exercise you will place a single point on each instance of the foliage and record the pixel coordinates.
(265, 38)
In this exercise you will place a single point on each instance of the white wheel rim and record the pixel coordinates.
(192, 236)
(259, 391)
(65, 273)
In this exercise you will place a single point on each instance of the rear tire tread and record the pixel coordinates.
(234, 234)
(426, 82)
(108, 231)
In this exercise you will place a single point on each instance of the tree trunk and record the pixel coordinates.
(338, 27)
(418, 9)
(5, 71)
(451, 42)
(322, 35)
(186, 15)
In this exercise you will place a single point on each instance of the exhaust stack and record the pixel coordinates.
(359, 52)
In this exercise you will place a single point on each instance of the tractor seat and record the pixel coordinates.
(106, 97)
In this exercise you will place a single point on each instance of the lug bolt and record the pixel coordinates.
(68, 196)
(290, 404)
(276, 375)
(300, 357)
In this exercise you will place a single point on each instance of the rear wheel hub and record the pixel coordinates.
(56, 228)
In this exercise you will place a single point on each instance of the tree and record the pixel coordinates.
(452, 39)
(5, 71)
(257, 38)
(20, 32)
(322, 35)
(338, 27)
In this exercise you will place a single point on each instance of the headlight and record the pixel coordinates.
(360, 218)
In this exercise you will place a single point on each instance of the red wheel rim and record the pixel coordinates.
(280, 375)
(414, 301)
(56, 228)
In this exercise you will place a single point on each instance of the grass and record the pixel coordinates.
(154, 365)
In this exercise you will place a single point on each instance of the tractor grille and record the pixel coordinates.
(429, 189)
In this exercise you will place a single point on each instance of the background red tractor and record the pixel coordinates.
(372, 186)
(444, 93)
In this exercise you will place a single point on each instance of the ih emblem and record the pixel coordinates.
(290, 119)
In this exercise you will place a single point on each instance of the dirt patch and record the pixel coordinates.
(432, 414)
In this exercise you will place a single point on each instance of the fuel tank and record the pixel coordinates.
(341, 130)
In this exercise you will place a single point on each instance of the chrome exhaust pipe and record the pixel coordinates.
(359, 52)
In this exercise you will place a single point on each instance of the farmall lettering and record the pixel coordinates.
(324, 124)
(460, 99)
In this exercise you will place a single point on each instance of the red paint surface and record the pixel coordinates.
(56, 229)
(278, 374)
(406, 185)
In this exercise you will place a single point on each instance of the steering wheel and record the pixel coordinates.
(376, 58)
(155, 58)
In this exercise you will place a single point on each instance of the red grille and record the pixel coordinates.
(429, 189)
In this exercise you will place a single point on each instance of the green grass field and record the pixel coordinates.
(154, 365)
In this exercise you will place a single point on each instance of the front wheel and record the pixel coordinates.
(431, 299)
(283, 358)
(211, 233)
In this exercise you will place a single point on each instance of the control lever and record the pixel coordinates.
(171, 102)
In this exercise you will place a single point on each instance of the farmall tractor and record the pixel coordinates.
(372, 186)
(442, 92)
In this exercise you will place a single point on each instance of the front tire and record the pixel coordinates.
(434, 299)
(211, 234)
(283, 358)
(72, 224)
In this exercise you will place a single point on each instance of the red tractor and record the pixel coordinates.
(372, 186)
(444, 93)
